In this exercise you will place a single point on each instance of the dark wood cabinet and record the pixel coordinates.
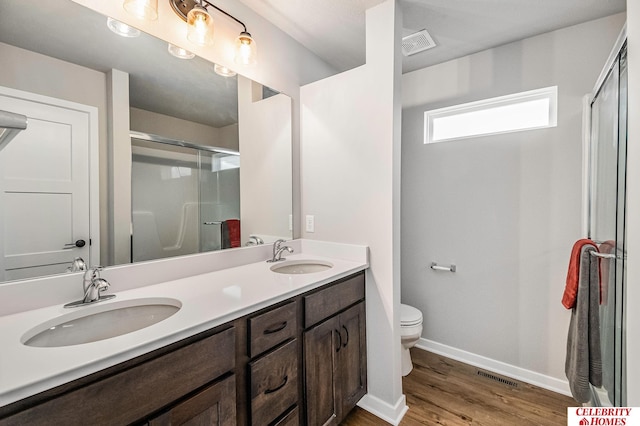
(271, 328)
(131, 391)
(273, 384)
(352, 358)
(335, 354)
(321, 347)
(213, 406)
(301, 361)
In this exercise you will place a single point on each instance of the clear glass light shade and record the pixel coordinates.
(199, 26)
(179, 52)
(223, 71)
(142, 9)
(246, 49)
(122, 29)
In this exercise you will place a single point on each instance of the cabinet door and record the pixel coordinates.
(215, 405)
(320, 358)
(352, 358)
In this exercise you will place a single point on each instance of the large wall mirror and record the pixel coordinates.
(209, 155)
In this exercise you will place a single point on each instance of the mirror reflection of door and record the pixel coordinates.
(44, 187)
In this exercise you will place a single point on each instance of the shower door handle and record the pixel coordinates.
(212, 223)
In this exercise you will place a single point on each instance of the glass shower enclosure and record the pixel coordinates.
(183, 195)
(606, 219)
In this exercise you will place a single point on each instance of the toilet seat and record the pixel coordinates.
(409, 316)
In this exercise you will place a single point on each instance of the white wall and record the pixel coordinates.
(506, 209)
(265, 162)
(633, 207)
(184, 130)
(350, 183)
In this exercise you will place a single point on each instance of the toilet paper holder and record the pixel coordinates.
(436, 267)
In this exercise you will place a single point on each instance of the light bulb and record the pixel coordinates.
(142, 9)
(199, 26)
(246, 49)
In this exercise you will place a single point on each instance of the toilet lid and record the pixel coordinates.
(409, 315)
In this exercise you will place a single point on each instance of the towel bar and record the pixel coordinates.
(603, 255)
(436, 267)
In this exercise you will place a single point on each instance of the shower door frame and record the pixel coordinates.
(612, 64)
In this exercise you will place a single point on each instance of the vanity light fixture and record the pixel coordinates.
(223, 71)
(142, 9)
(200, 28)
(121, 28)
(179, 52)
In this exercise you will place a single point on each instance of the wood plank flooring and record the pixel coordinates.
(441, 391)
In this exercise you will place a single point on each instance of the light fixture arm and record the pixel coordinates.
(225, 13)
(182, 7)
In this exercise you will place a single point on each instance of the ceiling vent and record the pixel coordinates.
(417, 42)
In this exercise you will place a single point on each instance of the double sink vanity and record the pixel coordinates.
(257, 343)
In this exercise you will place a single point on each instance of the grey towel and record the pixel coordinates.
(584, 361)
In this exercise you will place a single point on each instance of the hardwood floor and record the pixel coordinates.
(441, 391)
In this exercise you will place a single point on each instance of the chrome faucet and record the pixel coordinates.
(78, 264)
(277, 251)
(254, 240)
(92, 285)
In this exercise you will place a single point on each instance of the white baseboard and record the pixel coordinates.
(498, 367)
(387, 412)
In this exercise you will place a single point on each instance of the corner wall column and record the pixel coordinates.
(119, 167)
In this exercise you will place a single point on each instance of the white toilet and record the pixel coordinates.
(410, 332)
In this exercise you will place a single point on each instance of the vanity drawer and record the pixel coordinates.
(132, 394)
(331, 300)
(292, 418)
(274, 383)
(271, 328)
(214, 406)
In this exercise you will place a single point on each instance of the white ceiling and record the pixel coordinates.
(334, 29)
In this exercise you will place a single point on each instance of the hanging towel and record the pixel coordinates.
(573, 275)
(584, 362)
(231, 233)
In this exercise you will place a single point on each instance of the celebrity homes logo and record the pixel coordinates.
(603, 416)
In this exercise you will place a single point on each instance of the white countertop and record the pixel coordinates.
(208, 300)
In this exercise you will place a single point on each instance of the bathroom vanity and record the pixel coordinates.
(298, 357)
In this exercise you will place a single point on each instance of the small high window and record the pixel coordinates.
(535, 109)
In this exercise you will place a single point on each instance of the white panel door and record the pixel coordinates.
(44, 190)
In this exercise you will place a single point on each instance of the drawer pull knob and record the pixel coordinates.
(276, 329)
(344, 345)
(277, 388)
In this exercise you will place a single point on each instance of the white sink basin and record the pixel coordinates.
(99, 322)
(301, 266)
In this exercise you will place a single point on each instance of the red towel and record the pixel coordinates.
(571, 288)
(234, 232)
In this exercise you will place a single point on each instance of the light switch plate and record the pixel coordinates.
(310, 227)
